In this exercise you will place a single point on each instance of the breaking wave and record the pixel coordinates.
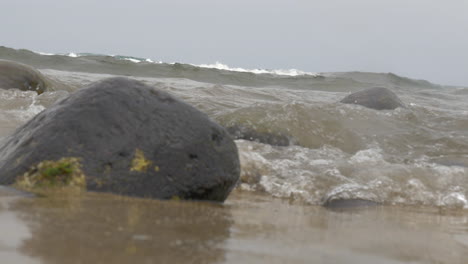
(298, 142)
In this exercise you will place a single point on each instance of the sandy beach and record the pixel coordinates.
(248, 228)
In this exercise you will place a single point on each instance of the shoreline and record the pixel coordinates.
(248, 228)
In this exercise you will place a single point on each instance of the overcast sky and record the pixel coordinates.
(422, 39)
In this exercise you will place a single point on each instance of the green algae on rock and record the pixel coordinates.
(48, 174)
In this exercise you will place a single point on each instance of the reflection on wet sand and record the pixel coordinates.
(13, 231)
(288, 233)
(248, 228)
(98, 228)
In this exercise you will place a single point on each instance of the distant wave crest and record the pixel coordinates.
(290, 72)
(217, 73)
(217, 65)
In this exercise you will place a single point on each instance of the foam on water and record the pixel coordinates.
(316, 175)
(290, 72)
(132, 60)
(69, 54)
(21, 111)
(217, 65)
(44, 53)
(17, 107)
(135, 59)
(119, 57)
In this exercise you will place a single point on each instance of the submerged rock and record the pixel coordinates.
(378, 98)
(15, 75)
(271, 138)
(130, 139)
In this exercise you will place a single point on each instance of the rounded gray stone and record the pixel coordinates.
(378, 98)
(14, 75)
(132, 140)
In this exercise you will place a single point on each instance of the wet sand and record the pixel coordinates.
(248, 228)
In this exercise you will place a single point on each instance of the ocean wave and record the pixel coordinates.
(216, 73)
(135, 59)
(290, 72)
(217, 65)
(302, 144)
(118, 57)
(69, 54)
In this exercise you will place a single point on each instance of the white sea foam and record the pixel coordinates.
(132, 60)
(27, 112)
(368, 156)
(217, 65)
(290, 72)
(70, 54)
(137, 60)
(455, 199)
(44, 53)
(317, 175)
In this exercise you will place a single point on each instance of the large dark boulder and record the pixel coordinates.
(15, 75)
(378, 98)
(130, 139)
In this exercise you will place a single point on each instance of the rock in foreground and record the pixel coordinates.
(378, 98)
(15, 75)
(130, 139)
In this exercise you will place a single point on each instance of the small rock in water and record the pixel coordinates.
(14, 75)
(130, 139)
(250, 134)
(349, 203)
(378, 98)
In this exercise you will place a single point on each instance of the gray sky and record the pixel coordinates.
(422, 39)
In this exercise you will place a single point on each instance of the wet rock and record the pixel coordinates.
(378, 98)
(130, 139)
(15, 75)
(271, 138)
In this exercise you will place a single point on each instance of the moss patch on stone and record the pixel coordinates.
(63, 173)
(139, 162)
